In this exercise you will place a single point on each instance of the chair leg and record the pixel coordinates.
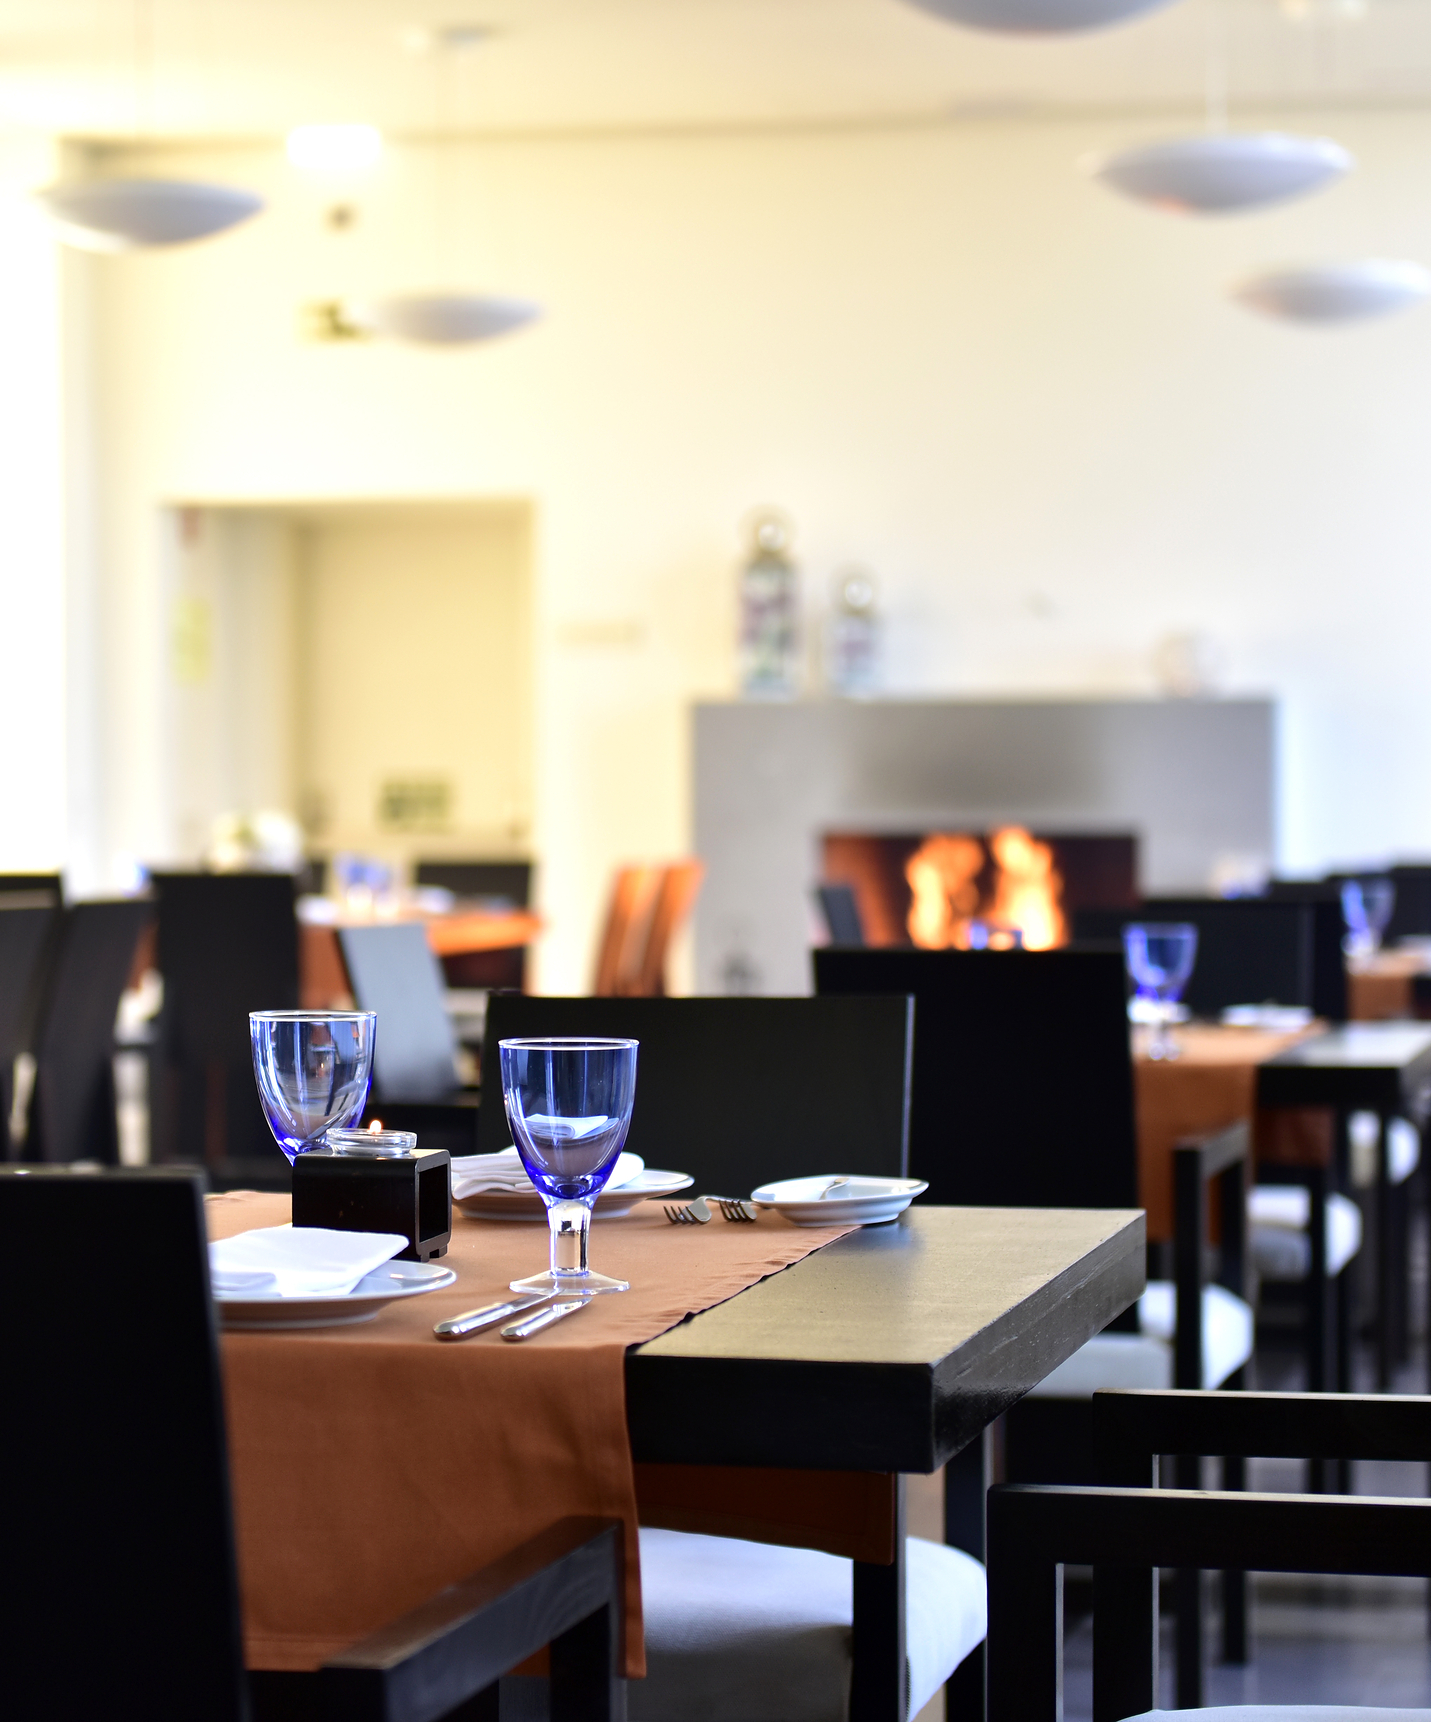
(879, 1683)
(586, 1683)
(1385, 1265)
(1234, 1583)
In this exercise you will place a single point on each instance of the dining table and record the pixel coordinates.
(1379, 1067)
(461, 932)
(794, 1395)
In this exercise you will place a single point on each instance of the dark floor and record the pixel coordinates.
(1322, 1640)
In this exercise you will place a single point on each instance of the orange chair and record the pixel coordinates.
(649, 904)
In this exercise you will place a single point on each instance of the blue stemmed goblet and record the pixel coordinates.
(569, 1105)
(312, 1069)
(1160, 958)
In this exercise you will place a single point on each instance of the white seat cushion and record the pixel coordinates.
(1403, 1149)
(1145, 1359)
(1277, 1217)
(1288, 1713)
(750, 1632)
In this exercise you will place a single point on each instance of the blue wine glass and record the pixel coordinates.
(1160, 958)
(1366, 909)
(312, 1068)
(569, 1106)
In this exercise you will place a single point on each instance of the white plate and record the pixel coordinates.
(384, 1285)
(610, 1204)
(862, 1202)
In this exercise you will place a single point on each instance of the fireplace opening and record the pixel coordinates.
(999, 890)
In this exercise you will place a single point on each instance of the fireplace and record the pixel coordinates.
(964, 890)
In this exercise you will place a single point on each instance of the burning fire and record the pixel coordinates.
(943, 876)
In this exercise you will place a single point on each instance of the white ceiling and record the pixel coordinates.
(245, 68)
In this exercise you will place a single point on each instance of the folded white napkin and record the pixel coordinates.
(474, 1174)
(298, 1261)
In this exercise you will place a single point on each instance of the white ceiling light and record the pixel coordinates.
(443, 319)
(1037, 17)
(1336, 292)
(128, 214)
(334, 149)
(1220, 172)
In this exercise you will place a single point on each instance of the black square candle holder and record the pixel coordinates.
(377, 1181)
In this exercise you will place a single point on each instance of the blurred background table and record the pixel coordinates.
(476, 940)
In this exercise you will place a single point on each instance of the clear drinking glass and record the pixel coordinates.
(569, 1103)
(1366, 909)
(312, 1068)
(1160, 958)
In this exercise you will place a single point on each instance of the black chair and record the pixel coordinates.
(391, 970)
(72, 1110)
(1127, 1530)
(508, 883)
(118, 1514)
(841, 911)
(228, 944)
(740, 1091)
(25, 933)
(35, 890)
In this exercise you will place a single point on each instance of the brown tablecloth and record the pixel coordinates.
(372, 1465)
(1213, 1083)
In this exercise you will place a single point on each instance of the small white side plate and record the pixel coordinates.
(243, 1312)
(610, 1204)
(860, 1202)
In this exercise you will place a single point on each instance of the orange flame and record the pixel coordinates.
(943, 880)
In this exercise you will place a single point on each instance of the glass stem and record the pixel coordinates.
(570, 1224)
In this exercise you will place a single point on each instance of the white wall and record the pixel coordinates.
(1025, 404)
(33, 680)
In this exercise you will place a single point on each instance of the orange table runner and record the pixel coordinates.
(1213, 1083)
(374, 1464)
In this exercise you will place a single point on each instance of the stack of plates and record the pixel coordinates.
(833, 1200)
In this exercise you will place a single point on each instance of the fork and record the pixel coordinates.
(697, 1212)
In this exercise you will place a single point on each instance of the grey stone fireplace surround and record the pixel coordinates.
(1192, 779)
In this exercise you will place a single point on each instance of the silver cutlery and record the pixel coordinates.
(474, 1320)
(697, 1211)
(535, 1323)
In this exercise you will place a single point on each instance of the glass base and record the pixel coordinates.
(569, 1285)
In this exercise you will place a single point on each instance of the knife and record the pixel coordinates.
(535, 1323)
(474, 1320)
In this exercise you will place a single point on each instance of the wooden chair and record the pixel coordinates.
(1127, 1529)
(119, 1518)
(228, 944)
(738, 1091)
(648, 907)
(25, 933)
(1022, 1096)
(391, 970)
(72, 1109)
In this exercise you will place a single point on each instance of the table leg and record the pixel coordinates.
(879, 1685)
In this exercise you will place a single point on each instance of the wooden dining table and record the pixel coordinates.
(323, 980)
(885, 1351)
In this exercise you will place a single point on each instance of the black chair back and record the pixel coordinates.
(117, 1522)
(1411, 913)
(507, 881)
(1023, 1081)
(1250, 950)
(739, 1091)
(36, 890)
(392, 971)
(72, 1113)
(841, 911)
(25, 932)
(228, 944)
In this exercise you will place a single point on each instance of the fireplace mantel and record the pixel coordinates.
(1193, 779)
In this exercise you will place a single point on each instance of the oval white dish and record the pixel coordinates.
(248, 1312)
(851, 1201)
(610, 1204)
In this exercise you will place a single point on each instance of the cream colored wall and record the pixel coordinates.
(1024, 404)
(34, 679)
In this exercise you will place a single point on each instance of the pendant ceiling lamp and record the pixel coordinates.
(444, 319)
(1037, 17)
(1219, 173)
(1336, 292)
(449, 317)
(133, 214)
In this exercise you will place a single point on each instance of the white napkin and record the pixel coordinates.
(298, 1261)
(474, 1174)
